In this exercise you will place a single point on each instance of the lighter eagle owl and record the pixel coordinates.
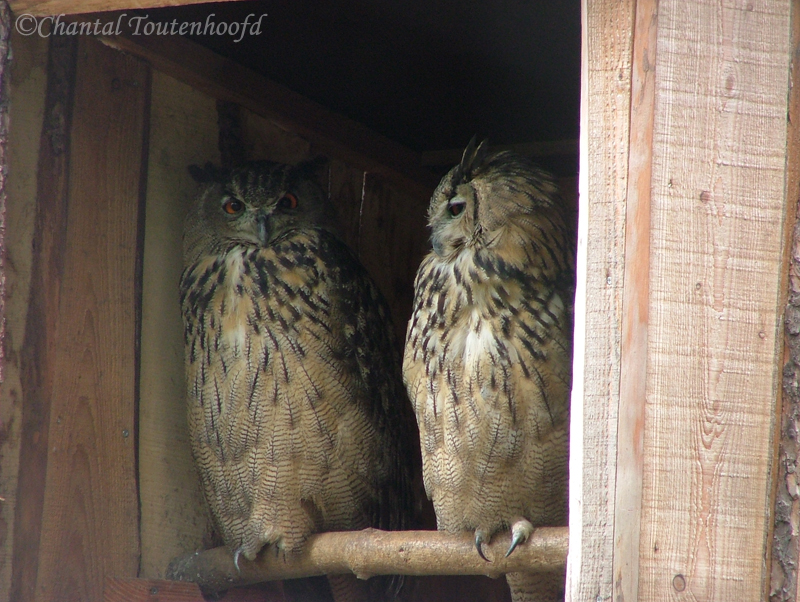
(294, 389)
(487, 360)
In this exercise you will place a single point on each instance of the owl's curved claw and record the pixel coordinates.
(520, 531)
(479, 540)
(236, 555)
(515, 540)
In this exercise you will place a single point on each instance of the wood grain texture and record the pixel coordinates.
(603, 183)
(39, 352)
(373, 552)
(28, 80)
(174, 520)
(345, 190)
(330, 134)
(263, 140)
(633, 349)
(159, 590)
(57, 7)
(90, 517)
(717, 216)
(393, 241)
(786, 504)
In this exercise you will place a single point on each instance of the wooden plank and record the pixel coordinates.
(717, 213)
(633, 348)
(38, 353)
(158, 590)
(58, 7)
(27, 81)
(5, 77)
(263, 140)
(605, 109)
(345, 189)
(329, 133)
(785, 539)
(90, 525)
(392, 243)
(174, 520)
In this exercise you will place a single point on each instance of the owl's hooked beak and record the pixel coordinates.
(264, 231)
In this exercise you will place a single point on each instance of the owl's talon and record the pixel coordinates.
(236, 555)
(479, 540)
(515, 540)
(521, 529)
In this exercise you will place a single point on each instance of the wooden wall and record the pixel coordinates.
(77, 487)
(96, 419)
(28, 81)
(679, 314)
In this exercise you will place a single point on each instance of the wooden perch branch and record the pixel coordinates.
(374, 552)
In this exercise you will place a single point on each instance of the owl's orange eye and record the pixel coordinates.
(233, 206)
(455, 207)
(289, 201)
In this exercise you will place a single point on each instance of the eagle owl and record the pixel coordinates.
(487, 360)
(295, 394)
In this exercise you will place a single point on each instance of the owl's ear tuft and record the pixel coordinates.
(208, 174)
(472, 159)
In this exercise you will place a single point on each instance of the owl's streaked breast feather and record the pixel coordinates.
(283, 414)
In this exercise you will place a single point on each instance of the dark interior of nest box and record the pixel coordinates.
(428, 75)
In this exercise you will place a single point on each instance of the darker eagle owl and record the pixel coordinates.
(295, 395)
(488, 354)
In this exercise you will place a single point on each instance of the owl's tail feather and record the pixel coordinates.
(536, 587)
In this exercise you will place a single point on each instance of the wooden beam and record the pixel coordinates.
(73, 7)
(784, 583)
(373, 552)
(40, 352)
(603, 185)
(28, 83)
(633, 346)
(714, 348)
(328, 132)
(90, 517)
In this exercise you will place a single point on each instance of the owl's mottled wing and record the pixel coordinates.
(488, 369)
(291, 428)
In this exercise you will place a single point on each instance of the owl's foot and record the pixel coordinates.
(480, 539)
(521, 530)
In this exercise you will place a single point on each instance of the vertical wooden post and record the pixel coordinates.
(90, 516)
(5, 36)
(786, 536)
(633, 345)
(603, 183)
(39, 349)
(28, 82)
(716, 249)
